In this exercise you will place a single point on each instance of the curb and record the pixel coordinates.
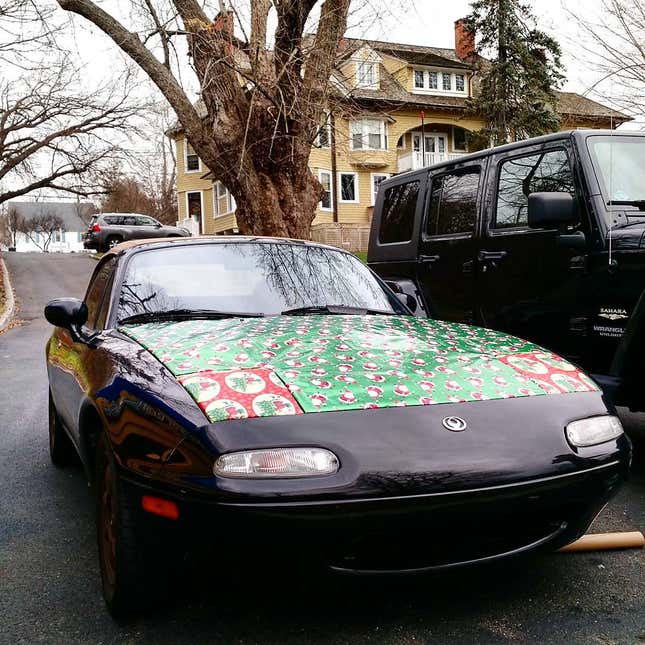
(5, 316)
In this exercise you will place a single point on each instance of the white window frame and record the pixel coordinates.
(440, 75)
(385, 175)
(424, 78)
(454, 147)
(449, 78)
(201, 207)
(356, 199)
(361, 77)
(365, 133)
(199, 162)
(220, 191)
(321, 172)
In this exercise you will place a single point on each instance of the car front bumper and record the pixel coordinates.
(395, 534)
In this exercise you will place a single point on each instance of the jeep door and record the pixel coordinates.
(531, 281)
(449, 239)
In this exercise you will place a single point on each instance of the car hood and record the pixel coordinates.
(285, 365)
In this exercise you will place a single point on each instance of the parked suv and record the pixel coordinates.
(109, 229)
(544, 239)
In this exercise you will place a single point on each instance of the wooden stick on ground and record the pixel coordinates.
(606, 541)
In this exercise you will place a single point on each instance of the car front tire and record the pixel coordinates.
(127, 573)
(61, 449)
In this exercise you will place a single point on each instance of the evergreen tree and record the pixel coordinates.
(520, 69)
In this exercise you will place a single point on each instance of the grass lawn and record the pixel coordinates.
(361, 255)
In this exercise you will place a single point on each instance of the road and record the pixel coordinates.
(49, 580)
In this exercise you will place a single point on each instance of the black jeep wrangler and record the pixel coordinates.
(543, 238)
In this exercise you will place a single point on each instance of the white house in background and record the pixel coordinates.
(69, 237)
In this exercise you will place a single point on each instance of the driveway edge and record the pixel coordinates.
(6, 315)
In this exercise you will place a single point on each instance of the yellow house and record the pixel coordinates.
(402, 107)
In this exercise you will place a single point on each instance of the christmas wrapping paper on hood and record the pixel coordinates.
(248, 367)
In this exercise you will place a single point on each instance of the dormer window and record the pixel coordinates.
(439, 82)
(367, 75)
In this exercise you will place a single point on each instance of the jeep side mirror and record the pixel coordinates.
(551, 210)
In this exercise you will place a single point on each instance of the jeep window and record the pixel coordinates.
(397, 217)
(453, 203)
(111, 220)
(129, 220)
(518, 178)
(619, 161)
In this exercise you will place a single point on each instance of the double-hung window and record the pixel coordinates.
(324, 177)
(368, 134)
(366, 75)
(192, 161)
(224, 202)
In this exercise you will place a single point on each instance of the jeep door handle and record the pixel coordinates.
(491, 256)
(429, 258)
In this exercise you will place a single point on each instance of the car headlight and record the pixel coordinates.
(276, 463)
(592, 431)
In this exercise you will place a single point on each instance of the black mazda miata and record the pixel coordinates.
(274, 396)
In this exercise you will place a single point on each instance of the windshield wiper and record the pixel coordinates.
(639, 203)
(338, 310)
(183, 314)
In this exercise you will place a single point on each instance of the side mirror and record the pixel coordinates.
(158, 225)
(551, 210)
(409, 301)
(68, 313)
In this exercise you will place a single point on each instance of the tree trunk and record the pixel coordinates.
(280, 207)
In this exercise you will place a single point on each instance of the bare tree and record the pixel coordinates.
(613, 41)
(40, 229)
(53, 135)
(155, 165)
(262, 104)
(10, 225)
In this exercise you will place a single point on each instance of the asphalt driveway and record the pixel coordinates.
(49, 581)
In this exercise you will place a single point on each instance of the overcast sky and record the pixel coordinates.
(421, 22)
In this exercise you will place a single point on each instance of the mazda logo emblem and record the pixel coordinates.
(454, 424)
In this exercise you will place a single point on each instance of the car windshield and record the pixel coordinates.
(619, 161)
(248, 278)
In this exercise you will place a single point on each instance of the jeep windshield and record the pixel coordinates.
(249, 278)
(619, 163)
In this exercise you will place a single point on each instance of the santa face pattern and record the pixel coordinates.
(240, 368)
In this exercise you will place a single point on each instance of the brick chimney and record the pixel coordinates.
(464, 41)
(224, 21)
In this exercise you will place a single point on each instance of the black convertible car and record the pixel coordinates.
(274, 396)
